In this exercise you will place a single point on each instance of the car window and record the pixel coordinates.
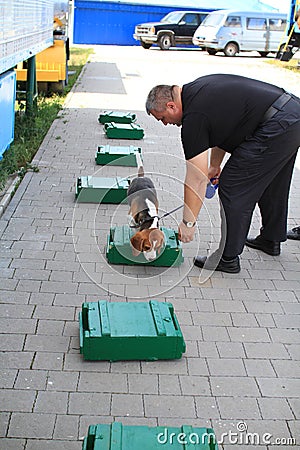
(212, 20)
(190, 19)
(277, 24)
(172, 17)
(255, 23)
(233, 21)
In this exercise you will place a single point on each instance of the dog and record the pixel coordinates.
(143, 209)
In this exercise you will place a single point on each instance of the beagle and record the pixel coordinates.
(143, 209)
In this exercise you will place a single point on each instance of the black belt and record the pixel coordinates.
(276, 106)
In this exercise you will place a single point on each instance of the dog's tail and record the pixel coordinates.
(141, 172)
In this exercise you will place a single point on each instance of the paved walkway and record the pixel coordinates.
(241, 367)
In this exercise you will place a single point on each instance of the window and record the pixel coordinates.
(254, 23)
(277, 24)
(190, 19)
(233, 21)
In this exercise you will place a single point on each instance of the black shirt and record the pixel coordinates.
(222, 110)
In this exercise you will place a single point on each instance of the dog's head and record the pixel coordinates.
(149, 241)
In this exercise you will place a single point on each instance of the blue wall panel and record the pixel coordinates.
(113, 23)
(7, 110)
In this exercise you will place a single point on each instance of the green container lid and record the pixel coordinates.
(91, 189)
(117, 436)
(117, 155)
(123, 131)
(117, 117)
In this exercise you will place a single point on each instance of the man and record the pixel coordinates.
(259, 125)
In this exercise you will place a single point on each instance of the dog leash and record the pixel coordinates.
(139, 225)
(170, 212)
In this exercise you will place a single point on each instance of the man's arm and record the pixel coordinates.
(194, 193)
(216, 158)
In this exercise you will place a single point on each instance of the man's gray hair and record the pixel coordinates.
(158, 97)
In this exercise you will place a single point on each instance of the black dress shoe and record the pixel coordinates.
(231, 266)
(294, 233)
(259, 243)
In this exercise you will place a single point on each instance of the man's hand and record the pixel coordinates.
(214, 172)
(185, 234)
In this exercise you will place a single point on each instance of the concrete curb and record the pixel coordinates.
(9, 192)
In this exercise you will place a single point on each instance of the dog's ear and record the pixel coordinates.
(136, 244)
(158, 236)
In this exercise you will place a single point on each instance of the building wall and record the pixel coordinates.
(113, 23)
(26, 28)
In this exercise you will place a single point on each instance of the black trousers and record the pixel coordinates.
(259, 171)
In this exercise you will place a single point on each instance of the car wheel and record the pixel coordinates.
(231, 49)
(144, 45)
(211, 51)
(263, 54)
(165, 42)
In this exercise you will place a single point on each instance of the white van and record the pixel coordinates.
(233, 31)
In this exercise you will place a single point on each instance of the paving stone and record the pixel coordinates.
(48, 361)
(89, 403)
(207, 407)
(178, 367)
(245, 334)
(4, 420)
(146, 384)
(213, 319)
(285, 336)
(16, 360)
(127, 405)
(234, 386)
(62, 381)
(31, 379)
(169, 385)
(108, 382)
(228, 366)
(11, 342)
(7, 378)
(11, 296)
(51, 402)
(279, 387)
(54, 445)
(75, 362)
(31, 425)
(194, 385)
(12, 444)
(266, 350)
(45, 344)
(275, 408)
(286, 369)
(168, 406)
(259, 368)
(231, 349)
(232, 407)
(66, 427)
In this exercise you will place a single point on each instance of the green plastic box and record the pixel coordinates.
(121, 331)
(101, 190)
(117, 117)
(123, 131)
(117, 155)
(117, 436)
(119, 251)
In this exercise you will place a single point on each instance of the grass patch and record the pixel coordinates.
(30, 131)
(288, 65)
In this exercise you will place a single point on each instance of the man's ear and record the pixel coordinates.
(171, 105)
(136, 244)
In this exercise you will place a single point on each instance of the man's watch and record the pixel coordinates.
(189, 224)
